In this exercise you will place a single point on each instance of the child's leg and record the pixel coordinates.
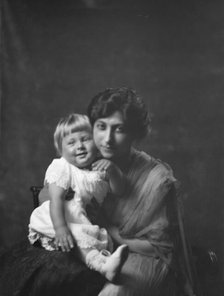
(76, 213)
(40, 220)
(81, 218)
(109, 265)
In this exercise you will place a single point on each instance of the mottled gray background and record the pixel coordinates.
(58, 54)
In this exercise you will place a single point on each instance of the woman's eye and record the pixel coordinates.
(120, 129)
(101, 126)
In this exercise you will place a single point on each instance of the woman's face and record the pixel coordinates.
(111, 138)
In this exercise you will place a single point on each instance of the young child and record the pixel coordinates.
(59, 222)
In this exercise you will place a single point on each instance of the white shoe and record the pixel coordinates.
(108, 264)
(114, 263)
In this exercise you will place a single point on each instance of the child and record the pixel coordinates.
(59, 222)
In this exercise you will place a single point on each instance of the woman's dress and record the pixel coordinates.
(147, 211)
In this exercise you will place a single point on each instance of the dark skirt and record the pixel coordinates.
(26, 270)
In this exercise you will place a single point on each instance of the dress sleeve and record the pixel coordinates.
(100, 188)
(145, 209)
(58, 172)
(94, 185)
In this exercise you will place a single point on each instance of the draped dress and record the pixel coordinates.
(146, 211)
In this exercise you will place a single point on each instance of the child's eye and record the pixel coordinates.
(84, 139)
(71, 143)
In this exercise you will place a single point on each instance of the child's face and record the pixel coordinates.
(78, 148)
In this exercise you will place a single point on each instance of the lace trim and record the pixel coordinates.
(46, 242)
(61, 181)
(59, 173)
(85, 242)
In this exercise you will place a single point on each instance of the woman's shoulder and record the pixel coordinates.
(140, 156)
(151, 165)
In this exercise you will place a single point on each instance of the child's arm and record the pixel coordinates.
(116, 178)
(63, 237)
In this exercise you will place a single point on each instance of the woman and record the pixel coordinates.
(145, 217)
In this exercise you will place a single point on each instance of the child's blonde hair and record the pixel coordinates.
(72, 123)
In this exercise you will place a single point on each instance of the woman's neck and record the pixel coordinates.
(123, 162)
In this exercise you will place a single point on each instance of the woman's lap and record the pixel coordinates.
(31, 271)
(141, 276)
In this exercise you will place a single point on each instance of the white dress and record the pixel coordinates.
(86, 185)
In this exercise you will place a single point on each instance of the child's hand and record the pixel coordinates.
(63, 239)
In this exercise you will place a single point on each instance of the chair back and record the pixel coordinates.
(35, 194)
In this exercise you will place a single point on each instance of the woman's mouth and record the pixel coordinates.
(108, 148)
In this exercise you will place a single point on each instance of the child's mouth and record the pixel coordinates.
(81, 155)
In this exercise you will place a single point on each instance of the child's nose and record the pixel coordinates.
(80, 145)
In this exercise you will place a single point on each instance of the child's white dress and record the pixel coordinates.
(86, 184)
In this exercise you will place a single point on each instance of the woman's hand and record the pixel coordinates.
(105, 166)
(112, 173)
(43, 195)
(140, 246)
(63, 239)
(115, 234)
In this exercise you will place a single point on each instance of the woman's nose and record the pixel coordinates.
(109, 136)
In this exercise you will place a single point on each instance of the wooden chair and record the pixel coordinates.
(35, 194)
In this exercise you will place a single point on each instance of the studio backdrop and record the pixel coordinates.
(56, 55)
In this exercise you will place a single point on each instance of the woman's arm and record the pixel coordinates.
(43, 195)
(63, 237)
(117, 180)
(115, 176)
(140, 246)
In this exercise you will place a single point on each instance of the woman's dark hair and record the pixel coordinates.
(126, 101)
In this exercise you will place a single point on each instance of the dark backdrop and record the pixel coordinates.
(57, 54)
